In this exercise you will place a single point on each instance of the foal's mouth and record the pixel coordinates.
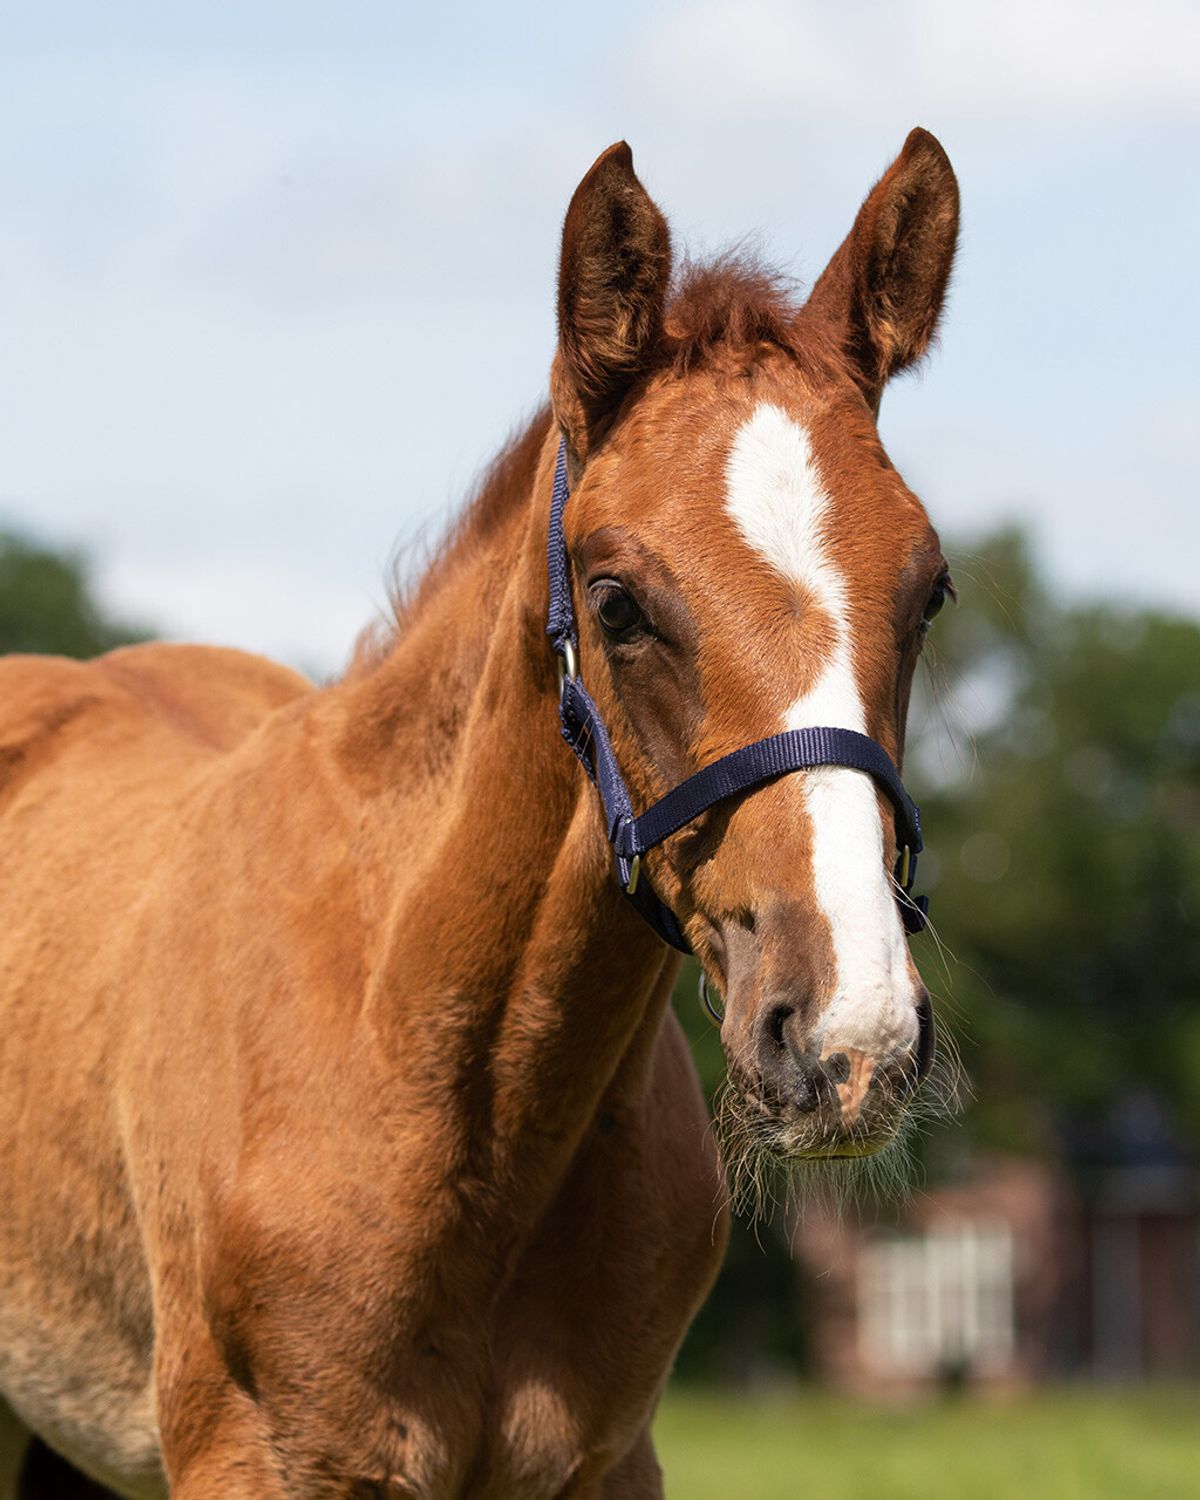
(772, 1159)
(792, 1135)
(839, 1150)
(776, 1154)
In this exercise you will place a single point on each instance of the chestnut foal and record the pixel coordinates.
(348, 1146)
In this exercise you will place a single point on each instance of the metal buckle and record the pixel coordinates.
(706, 1000)
(568, 666)
(635, 869)
(904, 867)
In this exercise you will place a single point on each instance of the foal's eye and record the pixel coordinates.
(618, 611)
(941, 590)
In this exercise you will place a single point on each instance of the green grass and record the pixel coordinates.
(1047, 1445)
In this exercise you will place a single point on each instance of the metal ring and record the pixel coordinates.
(635, 869)
(706, 1000)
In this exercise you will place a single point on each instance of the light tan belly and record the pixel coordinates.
(79, 1386)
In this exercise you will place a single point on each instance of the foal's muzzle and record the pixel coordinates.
(823, 1097)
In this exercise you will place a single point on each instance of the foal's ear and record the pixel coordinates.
(882, 292)
(612, 287)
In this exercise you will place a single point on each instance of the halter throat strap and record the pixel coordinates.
(733, 775)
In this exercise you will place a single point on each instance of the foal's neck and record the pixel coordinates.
(513, 976)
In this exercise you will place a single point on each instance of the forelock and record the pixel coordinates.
(731, 309)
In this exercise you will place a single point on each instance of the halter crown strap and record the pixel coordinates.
(560, 621)
(733, 774)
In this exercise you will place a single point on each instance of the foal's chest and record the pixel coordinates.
(389, 1346)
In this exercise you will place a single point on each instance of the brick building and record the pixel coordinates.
(1018, 1271)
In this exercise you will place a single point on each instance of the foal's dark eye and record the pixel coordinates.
(618, 611)
(941, 590)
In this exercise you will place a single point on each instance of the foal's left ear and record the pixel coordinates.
(612, 287)
(882, 292)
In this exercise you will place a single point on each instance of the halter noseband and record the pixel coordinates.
(738, 772)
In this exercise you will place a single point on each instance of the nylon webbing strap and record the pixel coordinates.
(753, 765)
(734, 774)
(560, 623)
(584, 730)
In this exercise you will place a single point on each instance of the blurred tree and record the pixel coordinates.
(47, 603)
(1066, 856)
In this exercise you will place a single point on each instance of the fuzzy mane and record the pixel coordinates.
(725, 309)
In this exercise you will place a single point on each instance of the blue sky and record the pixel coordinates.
(275, 279)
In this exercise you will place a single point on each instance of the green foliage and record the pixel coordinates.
(1065, 862)
(47, 604)
(1057, 1445)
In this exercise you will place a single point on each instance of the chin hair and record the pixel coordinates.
(773, 1163)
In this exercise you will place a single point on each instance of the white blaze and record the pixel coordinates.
(776, 496)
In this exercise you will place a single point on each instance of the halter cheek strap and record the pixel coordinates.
(733, 775)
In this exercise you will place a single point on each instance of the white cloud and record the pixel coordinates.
(928, 59)
(305, 619)
(218, 179)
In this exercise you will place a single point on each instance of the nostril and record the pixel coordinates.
(837, 1067)
(776, 1021)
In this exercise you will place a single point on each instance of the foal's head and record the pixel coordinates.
(747, 560)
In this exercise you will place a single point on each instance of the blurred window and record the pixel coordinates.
(938, 1303)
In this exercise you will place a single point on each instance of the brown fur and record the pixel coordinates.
(347, 1144)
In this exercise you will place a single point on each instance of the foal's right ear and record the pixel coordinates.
(612, 288)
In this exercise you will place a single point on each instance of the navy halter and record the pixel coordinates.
(740, 771)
